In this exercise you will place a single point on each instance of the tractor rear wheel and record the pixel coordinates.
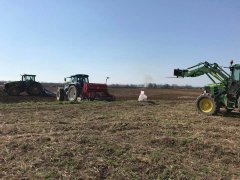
(60, 94)
(72, 93)
(207, 105)
(35, 89)
(13, 91)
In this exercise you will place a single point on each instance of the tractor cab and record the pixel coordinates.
(78, 78)
(236, 72)
(234, 88)
(28, 77)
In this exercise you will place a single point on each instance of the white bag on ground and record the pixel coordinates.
(142, 97)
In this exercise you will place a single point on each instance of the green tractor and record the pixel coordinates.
(223, 93)
(27, 84)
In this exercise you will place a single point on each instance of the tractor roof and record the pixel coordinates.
(79, 75)
(28, 75)
(236, 66)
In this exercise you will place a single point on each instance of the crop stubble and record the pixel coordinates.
(163, 138)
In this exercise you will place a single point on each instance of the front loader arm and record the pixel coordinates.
(211, 70)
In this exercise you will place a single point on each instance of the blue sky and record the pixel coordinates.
(131, 41)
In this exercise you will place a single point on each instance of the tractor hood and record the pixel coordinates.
(215, 89)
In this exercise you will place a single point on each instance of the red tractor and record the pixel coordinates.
(78, 88)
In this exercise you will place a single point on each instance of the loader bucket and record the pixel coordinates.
(180, 72)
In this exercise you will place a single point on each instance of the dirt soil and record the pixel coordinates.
(120, 93)
(163, 94)
(164, 138)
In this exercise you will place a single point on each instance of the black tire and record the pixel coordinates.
(73, 93)
(60, 94)
(207, 105)
(35, 89)
(13, 91)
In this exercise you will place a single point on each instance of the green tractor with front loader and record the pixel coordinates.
(224, 92)
(27, 84)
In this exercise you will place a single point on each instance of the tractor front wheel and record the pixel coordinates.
(13, 91)
(207, 105)
(72, 93)
(35, 90)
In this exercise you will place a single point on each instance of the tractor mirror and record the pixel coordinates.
(65, 79)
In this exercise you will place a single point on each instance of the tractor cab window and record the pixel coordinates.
(29, 78)
(236, 74)
(79, 79)
(85, 80)
(74, 79)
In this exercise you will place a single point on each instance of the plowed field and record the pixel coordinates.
(120, 93)
(164, 138)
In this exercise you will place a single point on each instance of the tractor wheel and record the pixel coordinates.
(72, 93)
(207, 105)
(35, 89)
(60, 94)
(13, 91)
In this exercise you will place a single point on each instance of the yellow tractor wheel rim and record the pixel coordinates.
(206, 105)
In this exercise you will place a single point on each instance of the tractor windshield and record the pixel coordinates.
(82, 79)
(236, 74)
(28, 78)
(79, 79)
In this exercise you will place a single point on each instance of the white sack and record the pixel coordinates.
(142, 97)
